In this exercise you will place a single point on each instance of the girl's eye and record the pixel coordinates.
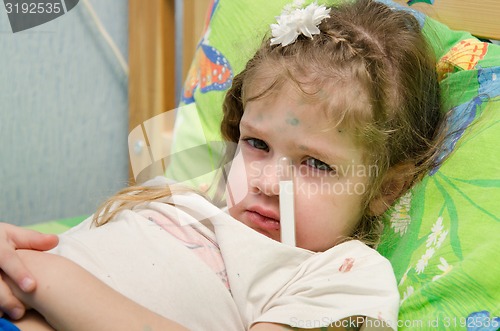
(257, 143)
(318, 165)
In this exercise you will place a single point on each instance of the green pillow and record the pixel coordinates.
(57, 226)
(233, 33)
(442, 237)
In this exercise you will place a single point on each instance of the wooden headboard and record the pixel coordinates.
(479, 17)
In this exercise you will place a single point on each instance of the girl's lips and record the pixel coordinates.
(265, 212)
(262, 222)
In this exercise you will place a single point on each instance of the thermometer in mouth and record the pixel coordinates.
(287, 205)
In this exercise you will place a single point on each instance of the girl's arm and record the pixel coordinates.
(32, 321)
(70, 298)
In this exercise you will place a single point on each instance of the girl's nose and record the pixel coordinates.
(265, 179)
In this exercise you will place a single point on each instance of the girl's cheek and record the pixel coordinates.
(237, 183)
(310, 186)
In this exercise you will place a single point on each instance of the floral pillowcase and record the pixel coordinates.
(442, 237)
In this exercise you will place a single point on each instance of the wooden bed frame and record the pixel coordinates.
(479, 17)
(152, 51)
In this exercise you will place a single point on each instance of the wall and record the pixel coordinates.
(63, 115)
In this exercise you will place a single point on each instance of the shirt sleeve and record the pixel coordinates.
(350, 279)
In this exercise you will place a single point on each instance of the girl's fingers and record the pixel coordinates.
(9, 304)
(30, 239)
(13, 238)
(13, 267)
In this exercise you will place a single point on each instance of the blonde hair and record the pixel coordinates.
(363, 44)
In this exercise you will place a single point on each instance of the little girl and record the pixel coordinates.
(350, 96)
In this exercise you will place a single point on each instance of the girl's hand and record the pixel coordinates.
(11, 239)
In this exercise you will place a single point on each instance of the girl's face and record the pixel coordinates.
(329, 176)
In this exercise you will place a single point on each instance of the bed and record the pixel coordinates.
(442, 237)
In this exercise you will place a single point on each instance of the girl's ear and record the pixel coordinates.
(396, 181)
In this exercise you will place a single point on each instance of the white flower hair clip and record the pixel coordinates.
(294, 21)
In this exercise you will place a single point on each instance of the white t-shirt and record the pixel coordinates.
(179, 262)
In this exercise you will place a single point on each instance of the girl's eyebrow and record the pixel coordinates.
(251, 128)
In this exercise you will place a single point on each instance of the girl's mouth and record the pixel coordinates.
(263, 221)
